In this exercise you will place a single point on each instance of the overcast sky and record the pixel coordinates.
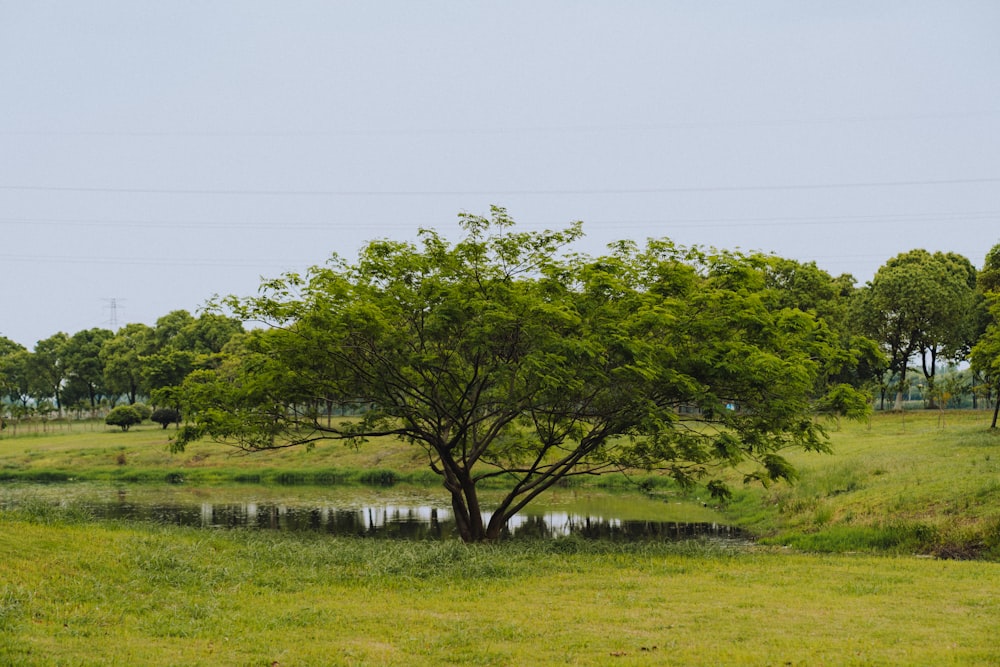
(153, 154)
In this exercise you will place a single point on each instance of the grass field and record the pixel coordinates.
(97, 594)
(858, 586)
(87, 450)
(923, 482)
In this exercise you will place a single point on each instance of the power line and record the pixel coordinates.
(526, 192)
(532, 129)
(213, 262)
(762, 221)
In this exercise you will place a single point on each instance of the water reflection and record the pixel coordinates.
(395, 521)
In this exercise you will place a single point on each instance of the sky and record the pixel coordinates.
(154, 154)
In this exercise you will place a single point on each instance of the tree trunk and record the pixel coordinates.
(931, 399)
(996, 410)
(465, 505)
(898, 405)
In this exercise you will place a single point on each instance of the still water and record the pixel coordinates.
(398, 512)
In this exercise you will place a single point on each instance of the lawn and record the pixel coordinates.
(77, 593)
(862, 562)
(925, 482)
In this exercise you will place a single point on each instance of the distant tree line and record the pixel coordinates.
(89, 373)
(921, 312)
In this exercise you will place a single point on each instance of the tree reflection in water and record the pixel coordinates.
(390, 521)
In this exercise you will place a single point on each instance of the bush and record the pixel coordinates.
(124, 416)
(145, 412)
(166, 416)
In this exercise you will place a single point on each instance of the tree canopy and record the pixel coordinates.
(920, 303)
(506, 358)
(85, 367)
(986, 353)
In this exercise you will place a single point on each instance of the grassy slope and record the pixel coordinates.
(89, 594)
(93, 451)
(74, 592)
(922, 482)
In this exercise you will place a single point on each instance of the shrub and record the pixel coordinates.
(124, 416)
(166, 416)
(145, 412)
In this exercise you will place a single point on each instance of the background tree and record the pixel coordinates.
(84, 366)
(8, 347)
(183, 343)
(859, 363)
(8, 350)
(507, 361)
(988, 279)
(986, 353)
(208, 334)
(170, 359)
(47, 369)
(124, 417)
(918, 303)
(166, 416)
(17, 378)
(122, 356)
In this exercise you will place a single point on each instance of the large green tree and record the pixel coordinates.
(858, 363)
(122, 356)
(923, 304)
(508, 360)
(989, 276)
(17, 377)
(47, 369)
(10, 352)
(986, 353)
(84, 366)
(183, 343)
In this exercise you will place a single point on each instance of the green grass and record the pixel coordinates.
(73, 592)
(901, 483)
(95, 452)
(921, 482)
(850, 591)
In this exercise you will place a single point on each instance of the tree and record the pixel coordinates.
(122, 356)
(124, 416)
(507, 360)
(17, 377)
(8, 347)
(8, 370)
(183, 343)
(166, 416)
(859, 363)
(83, 364)
(47, 369)
(209, 333)
(989, 277)
(919, 303)
(986, 353)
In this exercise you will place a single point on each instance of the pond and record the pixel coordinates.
(408, 512)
